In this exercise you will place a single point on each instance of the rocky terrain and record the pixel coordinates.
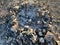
(11, 7)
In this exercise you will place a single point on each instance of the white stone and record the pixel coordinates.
(38, 22)
(30, 20)
(40, 33)
(43, 13)
(41, 40)
(17, 7)
(26, 26)
(44, 30)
